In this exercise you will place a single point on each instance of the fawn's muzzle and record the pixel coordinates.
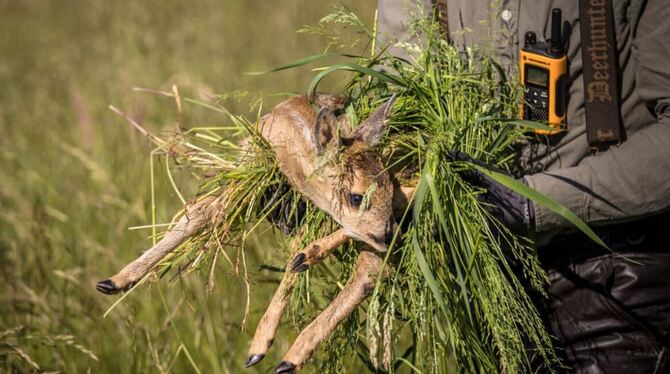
(382, 240)
(391, 228)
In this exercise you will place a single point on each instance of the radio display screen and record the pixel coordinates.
(537, 76)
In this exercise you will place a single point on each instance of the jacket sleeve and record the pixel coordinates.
(632, 180)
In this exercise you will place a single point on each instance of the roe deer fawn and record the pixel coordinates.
(338, 171)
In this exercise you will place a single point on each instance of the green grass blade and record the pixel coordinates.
(419, 197)
(428, 275)
(294, 64)
(350, 66)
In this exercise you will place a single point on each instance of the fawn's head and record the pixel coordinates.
(358, 186)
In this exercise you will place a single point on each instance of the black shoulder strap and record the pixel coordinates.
(604, 126)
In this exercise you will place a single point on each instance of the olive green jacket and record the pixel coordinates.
(624, 183)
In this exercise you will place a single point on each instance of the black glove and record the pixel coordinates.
(507, 206)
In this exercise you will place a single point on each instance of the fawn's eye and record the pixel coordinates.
(356, 200)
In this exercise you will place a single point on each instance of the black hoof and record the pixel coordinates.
(285, 368)
(107, 287)
(298, 265)
(253, 360)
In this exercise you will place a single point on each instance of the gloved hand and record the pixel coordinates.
(507, 206)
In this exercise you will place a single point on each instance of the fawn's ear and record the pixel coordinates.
(326, 131)
(371, 131)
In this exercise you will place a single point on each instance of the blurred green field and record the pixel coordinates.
(74, 176)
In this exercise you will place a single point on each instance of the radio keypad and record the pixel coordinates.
(536, 104)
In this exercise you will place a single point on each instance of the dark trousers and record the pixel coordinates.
(610, 311)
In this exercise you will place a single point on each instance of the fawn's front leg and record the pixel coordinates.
(267, 326)
(317, 251)
(360, 286)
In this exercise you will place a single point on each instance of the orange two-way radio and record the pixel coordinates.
(543, 68)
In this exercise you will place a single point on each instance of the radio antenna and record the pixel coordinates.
(556, 30)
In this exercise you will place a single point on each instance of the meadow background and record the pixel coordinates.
(74, 176)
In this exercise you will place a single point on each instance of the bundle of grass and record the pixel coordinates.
(452, 291)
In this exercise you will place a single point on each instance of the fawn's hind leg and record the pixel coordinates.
(194, 219)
